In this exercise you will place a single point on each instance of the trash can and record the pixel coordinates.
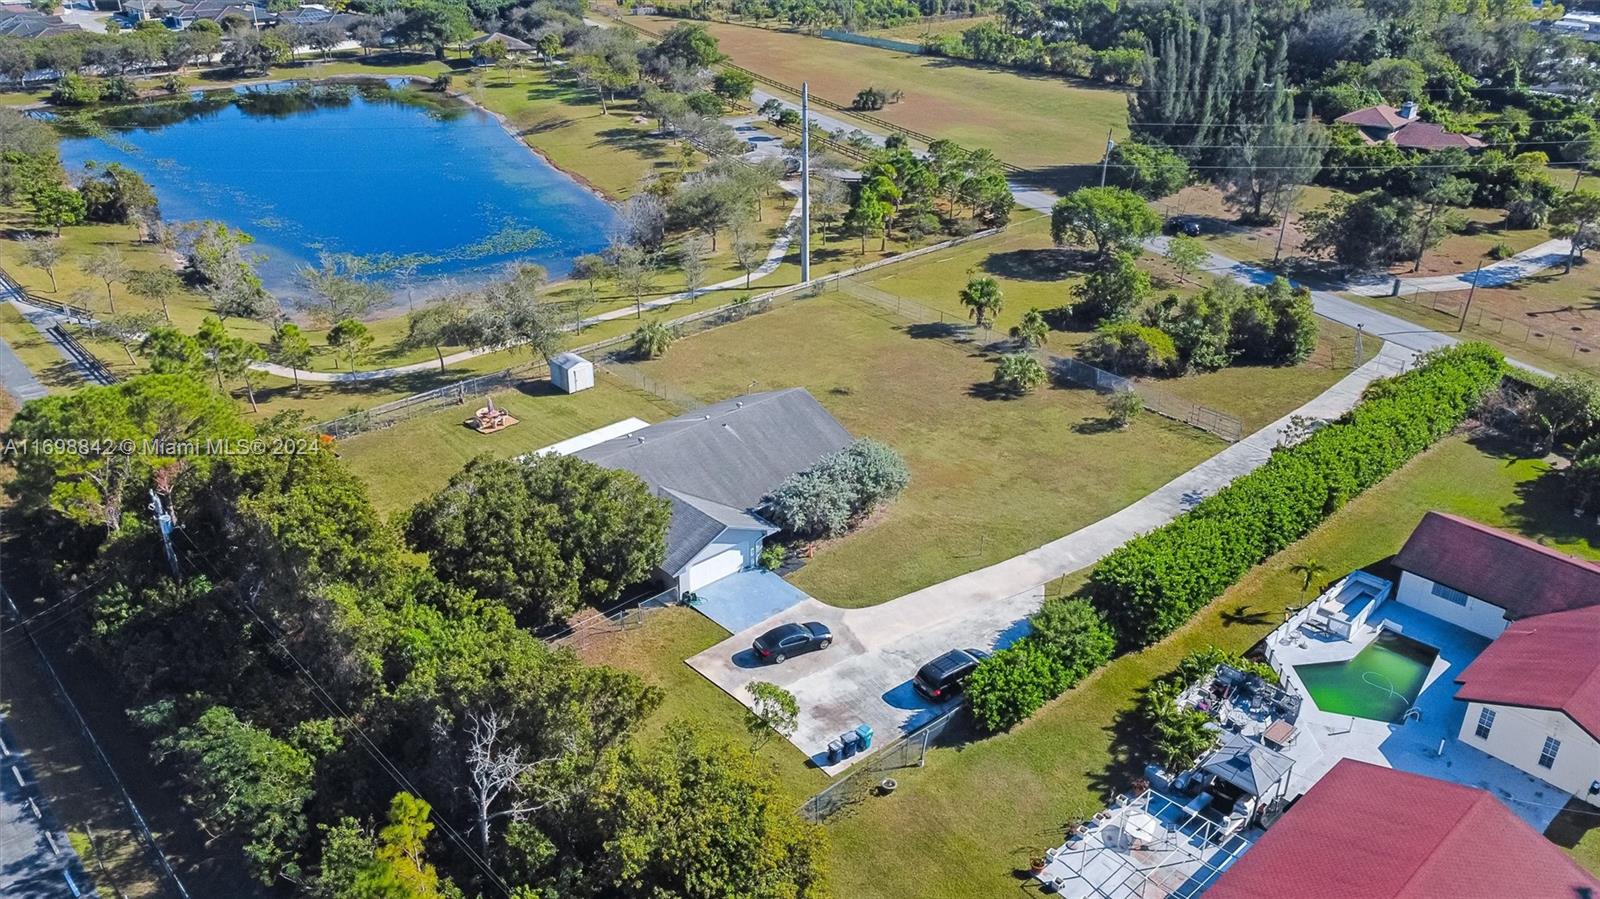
(851, 741)
(864, 731)
(835, 752)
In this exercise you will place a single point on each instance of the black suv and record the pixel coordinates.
(941, 678)
(787, 640)
(1183, 224)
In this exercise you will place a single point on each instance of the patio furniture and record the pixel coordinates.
(1279, 734)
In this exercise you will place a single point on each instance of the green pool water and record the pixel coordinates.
(1367, 685)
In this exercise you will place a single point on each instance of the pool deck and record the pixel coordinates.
(1415, 746)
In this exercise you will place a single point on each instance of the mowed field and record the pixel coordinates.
(990, 478)
(1038, 122)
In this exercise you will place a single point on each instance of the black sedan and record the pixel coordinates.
(787, 640)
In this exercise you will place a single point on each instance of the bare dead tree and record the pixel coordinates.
(499, 771)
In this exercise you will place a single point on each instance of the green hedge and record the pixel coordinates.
(1069, 640)
(1154, 583)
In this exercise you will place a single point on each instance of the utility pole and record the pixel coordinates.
(1476, 273)
(1282, 227)
(805, 181)
(1359, 329)
(164, 522)
(1106, 162)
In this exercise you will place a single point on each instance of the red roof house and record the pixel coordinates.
(1380, 124)
(1545, 662)
(1368, 832)
(1514, 573)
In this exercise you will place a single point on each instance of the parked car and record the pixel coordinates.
(942, 678)
(788, 640)
(1184, 224)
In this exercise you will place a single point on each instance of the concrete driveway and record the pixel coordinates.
(864, 677)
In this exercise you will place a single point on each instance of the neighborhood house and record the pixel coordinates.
(1401, 127)
(716, 465)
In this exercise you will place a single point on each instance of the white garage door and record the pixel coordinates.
(708, 571)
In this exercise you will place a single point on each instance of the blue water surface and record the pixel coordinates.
(379, 173)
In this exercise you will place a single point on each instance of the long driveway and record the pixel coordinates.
(865, 676)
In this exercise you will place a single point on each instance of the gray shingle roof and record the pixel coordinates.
(718, 462)
(1247, 764)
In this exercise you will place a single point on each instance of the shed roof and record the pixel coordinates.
(1511, 572)
(1544, 662)
(1368, 832)
(568, 361)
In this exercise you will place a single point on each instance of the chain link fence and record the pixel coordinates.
(868, 775)
(1477, 321)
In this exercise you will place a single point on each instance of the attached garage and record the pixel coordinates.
(709, 570)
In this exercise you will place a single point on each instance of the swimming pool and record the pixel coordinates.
(1379, 683)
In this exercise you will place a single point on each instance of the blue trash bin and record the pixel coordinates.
(835, 752)
(851, 741)
(864, 731)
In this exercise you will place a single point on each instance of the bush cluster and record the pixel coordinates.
(1178, 735)
(1154, 583)
(1069, 639)
(822, 500)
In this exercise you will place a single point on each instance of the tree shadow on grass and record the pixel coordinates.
(1035, 264)
(1103, 425)
(634, 141)
(988, 390)
(1245, 616)
(1128, 747)
(935, 331)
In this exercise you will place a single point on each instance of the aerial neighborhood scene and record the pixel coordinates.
(789, 449)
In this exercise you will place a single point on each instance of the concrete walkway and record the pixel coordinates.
(16, 378)
(1531, 261)
(774, 258)
(865, 676)
(1345, 311)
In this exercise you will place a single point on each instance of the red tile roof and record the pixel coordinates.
(1516, 574)
(1367, 832)
(1428, 136)
(1386, 117)
(1544, 662)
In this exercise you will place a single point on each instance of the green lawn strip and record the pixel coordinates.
(656, 650)
(37, 353)
(1577, 830)
(1035, 121)
(990, 478)
(914, 30)
(408, 462)
(963, 825)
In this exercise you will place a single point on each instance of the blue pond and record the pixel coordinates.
(419, 187)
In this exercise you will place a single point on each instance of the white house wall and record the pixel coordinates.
(1517, 738)
(1480, 617)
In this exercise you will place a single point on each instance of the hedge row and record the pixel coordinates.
(1069, 639)
(1154, 583)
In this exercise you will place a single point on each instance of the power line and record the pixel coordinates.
(327, 701)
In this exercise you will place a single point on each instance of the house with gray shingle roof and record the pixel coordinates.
(716, 465)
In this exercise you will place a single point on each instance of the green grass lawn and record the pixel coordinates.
(1033, 273)
(963, 825)
(990, 477)
(1577, 830)
(915, 30)
(1043, 123)
(655, 651)
(405, 463)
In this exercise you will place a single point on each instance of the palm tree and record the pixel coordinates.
(1309, 570)
(651, 339)
(1033, 331)
(982, 296)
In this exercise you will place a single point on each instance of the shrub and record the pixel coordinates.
(1155, 582)
(1111, 292)
(772, 556)
(1123, 406)
(1132, 349)
(75, 90)
(822, 500)
(1075, 633)
(1501, 250)
(1149, 170)
(1013, 683)
(1018, 373)
(871, 98)
(1178, 735)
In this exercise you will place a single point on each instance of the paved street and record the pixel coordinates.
(865, 676)
(36, 861)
